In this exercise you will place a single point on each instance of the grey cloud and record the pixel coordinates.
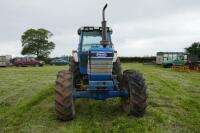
(140, 27)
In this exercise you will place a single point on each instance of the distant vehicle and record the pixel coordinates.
(168, 59)
(5, 60)
(59, 62)
(27, 61)
(170, 63)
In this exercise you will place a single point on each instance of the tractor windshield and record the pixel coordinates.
(92, 40)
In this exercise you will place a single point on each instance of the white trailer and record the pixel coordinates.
(166, 56)
(5, 60)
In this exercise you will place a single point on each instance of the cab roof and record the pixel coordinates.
(91, 28)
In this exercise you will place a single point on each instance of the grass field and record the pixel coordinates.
(27, 104)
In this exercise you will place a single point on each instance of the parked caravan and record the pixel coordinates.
(5, 60)
(163, 57)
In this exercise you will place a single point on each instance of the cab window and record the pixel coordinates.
(92, 40)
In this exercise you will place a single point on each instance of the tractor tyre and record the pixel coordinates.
(136, 102)
(64, 104)
(117, 70)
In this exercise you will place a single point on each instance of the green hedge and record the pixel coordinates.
(138, 59)
(122, 59)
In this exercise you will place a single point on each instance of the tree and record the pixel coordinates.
(35, 42)
(194, 49)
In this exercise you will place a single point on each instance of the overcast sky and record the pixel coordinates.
(141, 27)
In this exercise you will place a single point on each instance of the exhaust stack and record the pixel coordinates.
(104, 41)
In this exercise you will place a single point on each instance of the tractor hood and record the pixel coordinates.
(101, 52)
(100, 63)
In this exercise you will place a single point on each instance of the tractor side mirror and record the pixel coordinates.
(75, 55)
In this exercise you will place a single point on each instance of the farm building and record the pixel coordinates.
(5, 60)
(167, 56)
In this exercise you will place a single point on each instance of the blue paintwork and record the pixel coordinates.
(102, 49)
(100, 95)
(98, 77)
(101, 86)
(83, 70)
(106, 85)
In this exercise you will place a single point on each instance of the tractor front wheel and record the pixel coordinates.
(134, 83)
(64, 103)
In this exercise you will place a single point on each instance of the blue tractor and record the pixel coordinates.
(95, 72)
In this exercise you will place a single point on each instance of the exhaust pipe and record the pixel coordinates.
(104, 41)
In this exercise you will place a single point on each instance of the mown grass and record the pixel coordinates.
(27, 104)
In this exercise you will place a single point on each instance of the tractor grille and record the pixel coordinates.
(100, 65)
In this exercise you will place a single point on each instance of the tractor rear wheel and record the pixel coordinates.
(64, 103)
(134, 83)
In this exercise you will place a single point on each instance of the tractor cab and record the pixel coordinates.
(90, 38)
